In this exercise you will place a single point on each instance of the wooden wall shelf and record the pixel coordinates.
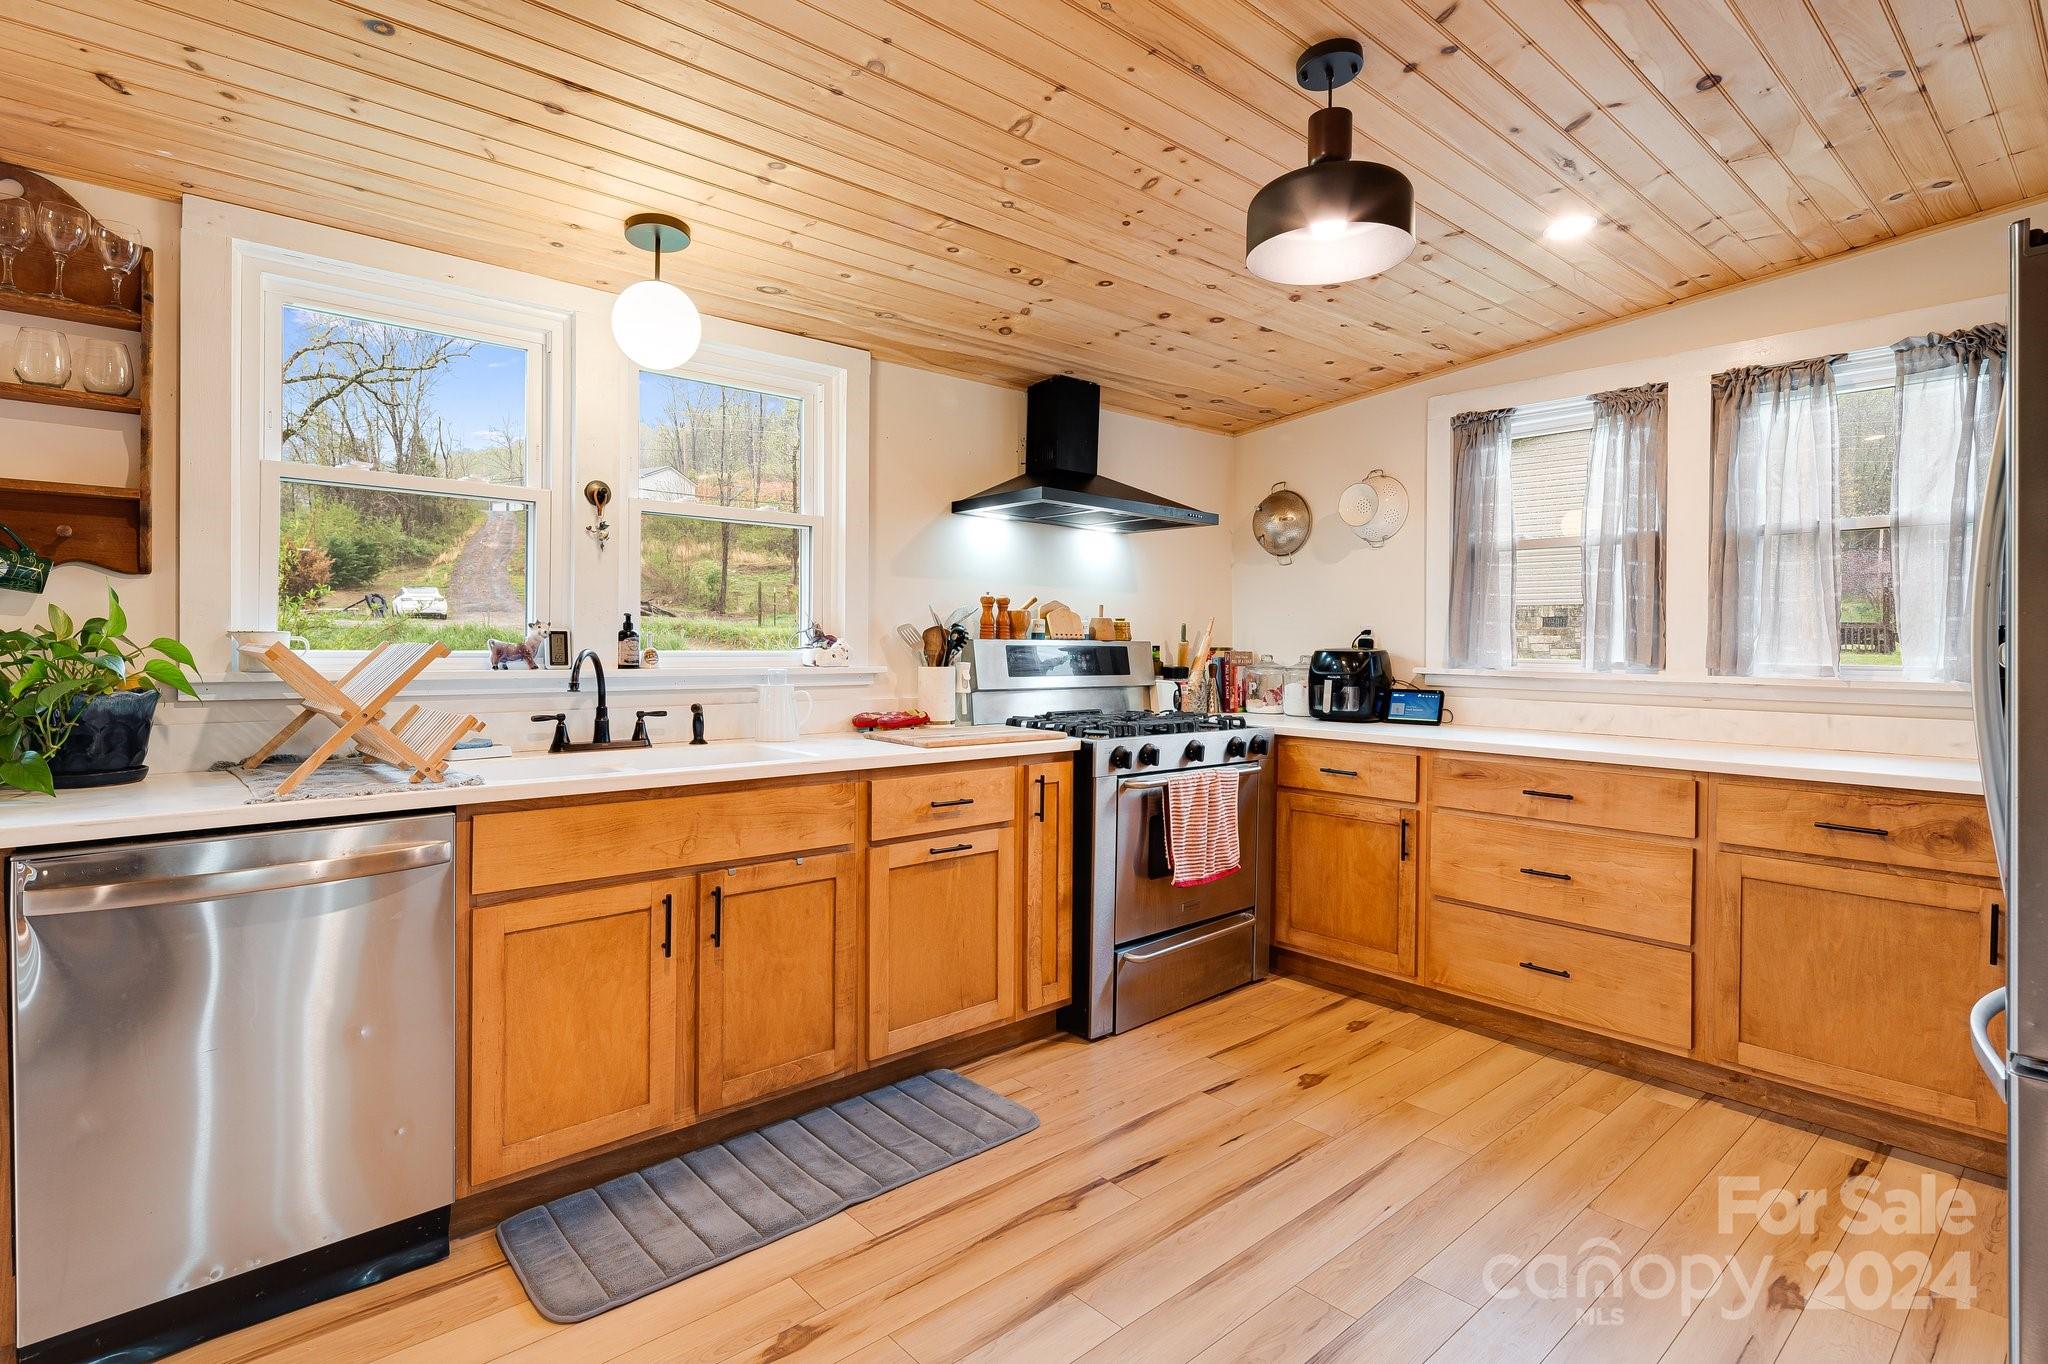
(104, 525)
(71, 397)
(70, 310)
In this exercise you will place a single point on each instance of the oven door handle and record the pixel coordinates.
(1158, 860)
(1155, 783)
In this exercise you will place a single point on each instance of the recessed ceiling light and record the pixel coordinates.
(1569, 227)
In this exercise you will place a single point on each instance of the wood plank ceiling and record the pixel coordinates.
(1012, 188)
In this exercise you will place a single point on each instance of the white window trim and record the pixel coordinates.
(1689, 374)
(821, 388)
(265, 279)
(592, 400)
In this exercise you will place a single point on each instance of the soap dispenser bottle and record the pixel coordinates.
(629, 644)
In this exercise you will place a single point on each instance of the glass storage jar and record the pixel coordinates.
(1294, 688)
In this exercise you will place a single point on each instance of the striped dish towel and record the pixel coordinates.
(1201, 827)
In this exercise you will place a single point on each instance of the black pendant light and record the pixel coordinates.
(1334, 219)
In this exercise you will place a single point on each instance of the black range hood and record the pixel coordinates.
(1059, 485)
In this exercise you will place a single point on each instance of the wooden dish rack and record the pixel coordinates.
(104, 525)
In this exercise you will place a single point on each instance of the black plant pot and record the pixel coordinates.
(110, 745)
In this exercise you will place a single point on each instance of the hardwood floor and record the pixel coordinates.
(1290, 1174)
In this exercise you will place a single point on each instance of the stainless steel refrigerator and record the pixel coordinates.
(2009, 679)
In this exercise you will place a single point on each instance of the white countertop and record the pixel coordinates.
(1742, 760)
(200, 802)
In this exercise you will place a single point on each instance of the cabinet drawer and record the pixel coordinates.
(1606, 881)
(1899, 828)
(1567, 793)
(932, 802)
(1350, 769)
(519, 849)
(1606, 984)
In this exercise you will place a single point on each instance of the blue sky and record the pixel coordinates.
(474, 395)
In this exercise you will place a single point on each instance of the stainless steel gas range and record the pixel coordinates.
(1143, 946)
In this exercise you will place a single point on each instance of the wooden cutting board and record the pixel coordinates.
(960, 736)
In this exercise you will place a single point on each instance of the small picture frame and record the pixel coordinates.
(558, 648)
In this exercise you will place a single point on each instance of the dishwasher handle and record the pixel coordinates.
(220, 885)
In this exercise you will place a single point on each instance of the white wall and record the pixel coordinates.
(932, 438)
(1337, 584)
(938, 437)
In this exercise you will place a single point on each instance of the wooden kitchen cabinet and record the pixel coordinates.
(942, 937)
(577, 1003)
(1048, 907)
(1860, 981)
(1344, 882)
(777, 952)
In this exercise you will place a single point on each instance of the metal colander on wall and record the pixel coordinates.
(1375, 507)
(1281, 522)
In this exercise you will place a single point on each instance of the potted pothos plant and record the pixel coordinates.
(79, 698)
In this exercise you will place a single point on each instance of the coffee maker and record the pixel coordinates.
(1352, 684)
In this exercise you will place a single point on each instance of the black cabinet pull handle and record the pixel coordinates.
(1997, 914)
(1546, 795)
(668, 925)
(717, 915)
(1833, 827)
(951, 848)
(1546, 875)
(1041, 798)
(947, 804)
(1404, 838)
(1546, 970)
(1340, 772)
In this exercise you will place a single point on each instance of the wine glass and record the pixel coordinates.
(105, 367)
(63, 228)
(42, 357)
(119, 247)
(17, 230)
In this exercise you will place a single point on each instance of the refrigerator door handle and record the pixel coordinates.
(1981, 1014)
(1987, 697)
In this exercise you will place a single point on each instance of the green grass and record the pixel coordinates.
(325, 631)
(678, 634)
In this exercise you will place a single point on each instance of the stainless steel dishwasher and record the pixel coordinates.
(234, 1077)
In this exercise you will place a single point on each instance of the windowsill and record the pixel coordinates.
(1873, 696)
(479, 681)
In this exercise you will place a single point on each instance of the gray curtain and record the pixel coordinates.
(1947, 402)
(1624, 530)
(1482, 542)
(1771, 539)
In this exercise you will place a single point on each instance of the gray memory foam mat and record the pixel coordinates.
(588, 1252)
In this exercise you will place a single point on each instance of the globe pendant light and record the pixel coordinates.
(1334, 219)
(654, 322)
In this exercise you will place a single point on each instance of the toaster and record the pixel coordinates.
(1350, 684)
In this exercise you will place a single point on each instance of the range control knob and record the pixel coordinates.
(1234, 749)
(1148, 756)
(1260, 743)
(1119, 757)
(1193, 752)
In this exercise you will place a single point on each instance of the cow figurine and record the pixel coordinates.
(529, 651)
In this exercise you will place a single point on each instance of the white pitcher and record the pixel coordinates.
(782, 718)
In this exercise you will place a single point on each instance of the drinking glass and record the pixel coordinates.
(120, 247)
(42, 357)
(17, 230)
(63, 228)
(105, 367)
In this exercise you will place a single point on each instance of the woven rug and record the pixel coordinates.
(589, 1252)
(336, 777)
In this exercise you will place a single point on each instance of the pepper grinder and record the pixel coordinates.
(1003, 630)
(988, 618)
